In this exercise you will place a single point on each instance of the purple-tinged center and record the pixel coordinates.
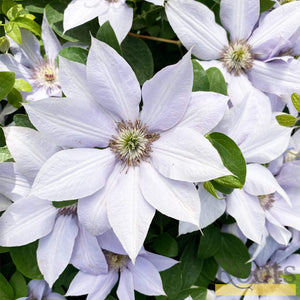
(115, 261)
(266, 201)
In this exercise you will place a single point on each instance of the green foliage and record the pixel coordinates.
(286, 120)
(22, 85)
(76, 54)
(296, 101)
(107, 35)
(7, 81)
(24, 258)
(216, 81)
(172, 281)
(232, 158)
(6, 291)
(18, 283)
(60, 204)
(13, 31)
(15, 98)
(211, 189)
(210, 242)
(23, 121)
(233, 256)
(201, 82)
(165, 245)
(266, 5)
(138, 55)
(4, 44)
(5, 155)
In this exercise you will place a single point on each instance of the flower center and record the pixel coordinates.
(68, 210)
(268, 274)
(291, 156)
(133, 142)
(115, 261)
(237, 57)
(46, 75)
(266, 201)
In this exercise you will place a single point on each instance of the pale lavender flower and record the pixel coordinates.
(117, 12)
(143, 276)
(62, 238)
(151, 158)
(250, 57)
(28, 64)
(40, 290)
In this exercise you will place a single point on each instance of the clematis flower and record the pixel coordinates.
(117, 12)
(62, 240)
(40, 290)
(143, 276)
(28, 64)
(151, 158)
(250, 57)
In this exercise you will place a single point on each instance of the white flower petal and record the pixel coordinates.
(26, 221)
(248, 213)
(167, 95)
(126, 289)
(184, 154)
(29, 148)
(176, 199)
(239, 17)
(195, 26)
(4, 203)
(55, 250)
(128, 212)
(205, 111)
(72, 122)
(74, 173)
(160, 262)
(112, 81)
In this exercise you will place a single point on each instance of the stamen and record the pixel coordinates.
(133, 142)
(237, 57)
(269, 273)
(68, 210)
(266, 201)
(115, 261)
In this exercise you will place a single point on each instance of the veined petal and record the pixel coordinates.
(92, 211)
(128, 212)
(146, 278)
(74, 173)
(176, 199)
(26, 221)
(289, 175)
(120, 18)
(72, 122)
(248, 213)
(38, 288)
(276, 77)
(205, 111)
(13, 184)
(87, 255)
(239, 17)
(77, 87)
(55, 250)
(276, 28)
(195, 26)
(51, 43)
(112, 81)
(184, 154)
(126, 288)
(29, 148)
(110, 242)
(81, 11)
(168, 91)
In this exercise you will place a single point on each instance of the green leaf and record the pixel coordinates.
(221, 188)
(13, 31)
(286, 120)
(296, 101)
(23, 121)
(15, 98)
(138, 55)
(4, 249)
(107, 35)
(293, 279)
(28, 24)
(232, 158)
(7, 81)
(196, 294)
(24, 258)
(190, 264)
(6, 291)
(60, 204)
(165, 245)
(14, 12)
(233, 256)
(216, 81)
(22, 85)
(4, 44)
(19, 285)
(209, 242)
(201, 82)
(6, 5)
(266, 5)
(211, 189)
(172, 281)
(76, 54)
(35, 6)
(5, 154)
